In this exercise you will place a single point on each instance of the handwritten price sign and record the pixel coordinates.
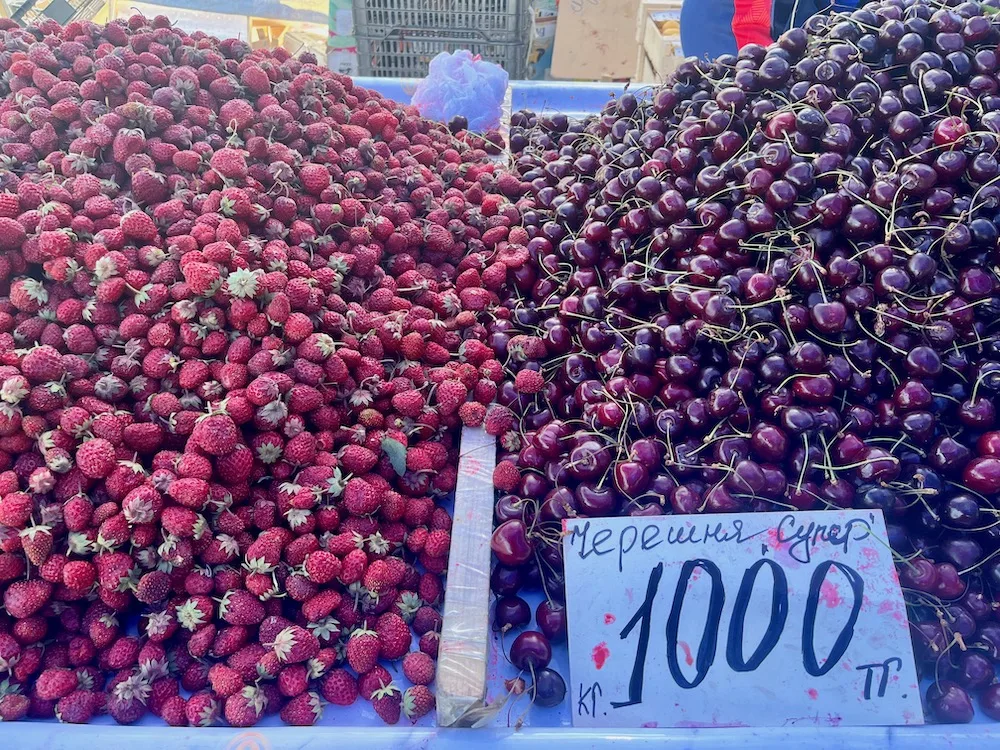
(764, 619)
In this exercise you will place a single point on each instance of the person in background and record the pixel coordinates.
(710, 28)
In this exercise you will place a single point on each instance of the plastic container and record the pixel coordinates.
(399, 38)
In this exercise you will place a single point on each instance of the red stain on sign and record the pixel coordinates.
(829, 594)
(600, 654)
(813, 693)
(688, 659)
(609, 618)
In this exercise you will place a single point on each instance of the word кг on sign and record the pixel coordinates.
(763, 619)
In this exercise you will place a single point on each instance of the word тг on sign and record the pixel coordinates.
(762, 619)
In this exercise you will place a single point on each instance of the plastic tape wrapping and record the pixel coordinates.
(464, 646)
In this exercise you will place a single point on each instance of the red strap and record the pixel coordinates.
(752, 22)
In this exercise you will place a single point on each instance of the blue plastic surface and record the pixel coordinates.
(573, 99)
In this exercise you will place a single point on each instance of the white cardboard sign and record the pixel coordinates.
(762, 619)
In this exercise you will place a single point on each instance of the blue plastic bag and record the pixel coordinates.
(462, 84)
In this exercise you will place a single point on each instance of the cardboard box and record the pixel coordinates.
(652, 6)
(661, 40)
(648, 74)
(594, 40)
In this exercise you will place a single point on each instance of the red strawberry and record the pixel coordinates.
(451, 394)
(529, 381)
(53, 684)
(246, 707)
(174, 712)
(418, 701)
(322, 566)
(229, 163)
(126, 703)
(354, 565)
(25, 598)
(43, 364)
(340, 687)
(303, 710)
(472, 413)
(13, 706)
(202, 709)
(360, 498)
(428, 643)
(294, 644)
(506, 476)
(387, 702)
(153, 587)
(96, 458)
(357, 459)
(203, 278)
(216, 434)
(394, 636)
(15, 510)
(239, 607)
(363, 649)
(225, 681)
(79, 575)
(419, 668)
(138, 226)
(78, 707)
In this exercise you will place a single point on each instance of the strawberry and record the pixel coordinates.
(294, 644)
(78, 707)
(322, 566)
(428, 643)
(174, 712)
(303, 710)
(360, 498)
(194, 612)
(506, 476)
(126, 704)
(204, 279)
(153, 587)
(529, 382)
(139, 227)
(293, 680)
(15, 509)
(202, 709)
(357, 459)
(25, 598)
(96, 458)
(182, 522)
(340, 688)
(239, 607)
(387, 702)
(216, 434)
(418, 701)
(374, 679)
(363, 648)
(42, 364)
(394, 636)
(225, 681)
(472, 413)
(418, 668)
(13, 706)
(451, 394)
(354, 565)
(229, 163)
(244, 709)
(408, 403)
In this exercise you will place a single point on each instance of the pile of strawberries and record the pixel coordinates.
(241, 328)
